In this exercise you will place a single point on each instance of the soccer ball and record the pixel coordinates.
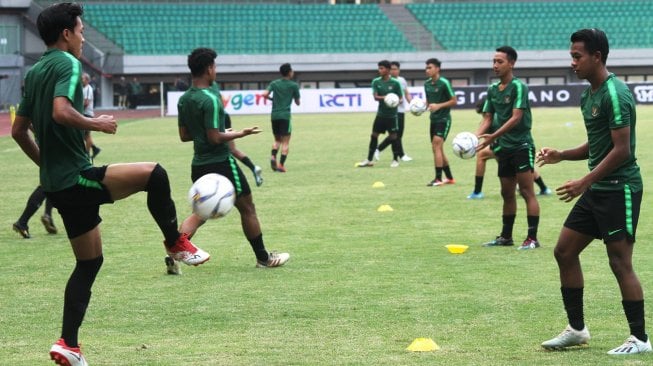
(212, 196)
(391, 100)
(464, 145)
(417, 106)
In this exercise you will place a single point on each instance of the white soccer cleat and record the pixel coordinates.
(569, 337)
(406, 158)
(274, 260)
(365, 163)
(394, 164)
(632, 346)
(258, 175)
(377, 154)
(186, 252)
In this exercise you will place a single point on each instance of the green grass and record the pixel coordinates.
(360, 285)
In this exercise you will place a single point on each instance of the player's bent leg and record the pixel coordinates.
(567, 254)
(620, 255)
(190, 225)
(125, 179)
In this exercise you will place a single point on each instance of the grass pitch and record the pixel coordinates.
(360, 286)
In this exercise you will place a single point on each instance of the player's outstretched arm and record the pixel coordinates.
(64, 113)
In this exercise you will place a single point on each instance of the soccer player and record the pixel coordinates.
(507, 100)
(53, 103)
(610, 195)
(439, 99)
(33, 203)
(89, 101)
(386, 117)
(284, 90)
(486, 154)
(201, 119)
(401, 114)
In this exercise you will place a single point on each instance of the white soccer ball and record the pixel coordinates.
(417, 106)
(391, 100)
(212, 196)
(464, 145)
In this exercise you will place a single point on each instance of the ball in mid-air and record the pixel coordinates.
(212, 196)
(464, 145)
(417, 106)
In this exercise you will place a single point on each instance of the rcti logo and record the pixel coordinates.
(340, 100)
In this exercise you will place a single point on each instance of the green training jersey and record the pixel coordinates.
(199, 110)
(439, 91)
(283, 91)
(611, 107)
(501, 103)
(63, 154)
(385, 87)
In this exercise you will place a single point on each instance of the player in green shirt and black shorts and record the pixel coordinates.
(201, 119)
(53, 103)
(610, 195)
(386, 116)
(283, 91)
(507, 100)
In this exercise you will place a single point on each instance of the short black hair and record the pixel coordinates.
(594, 40)
(433, 61)
(200, 59)
(395, 63)
(55, 18)
(285, 69)
(509, 51)
(385, 63)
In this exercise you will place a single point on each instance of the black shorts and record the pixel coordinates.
(281, 127)
(79, 205)
(440, 128)
(519, 161)
(607, 215)
(383, 124)
(227, 168)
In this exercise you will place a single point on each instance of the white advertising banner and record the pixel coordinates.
(312, 101)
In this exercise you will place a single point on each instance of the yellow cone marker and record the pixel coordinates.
(384, 208)
(423, 345)
(378, 185)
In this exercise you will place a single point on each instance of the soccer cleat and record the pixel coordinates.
(499, 241)
(394, 164)
(406, 158)
(377, 154)
(569, 337)
(257, 175)
(435, 183)
(63, 355)
(48, 223)
(95, 151)
(365, 163)
(449, 181)
(529, 244)
(274, 260)
(475, 196)
(273, 163)
(281, 168)
(172, 266)
(632, 346)
(546, 192)
(187, 252)
(22, 230)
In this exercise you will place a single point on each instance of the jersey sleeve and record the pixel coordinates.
(448, 88)
(68, 78)
(213, 113)
(487, 106)
(618, 107)
(296, 92)
(520, 95)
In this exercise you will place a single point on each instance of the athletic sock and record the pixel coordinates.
(438, 173)
(572, 298)
(447, 172)
(248, 162)
(274, 153)
(161, 205)
(33, 203)
(635, 315)
(540, 183)
(48, 207)
(259, 248)
(77, 296)
(283, 159)
(385, 143)
(508, 223)
(533, 222)
(374, 142)
(478, 184)
(396, 153)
